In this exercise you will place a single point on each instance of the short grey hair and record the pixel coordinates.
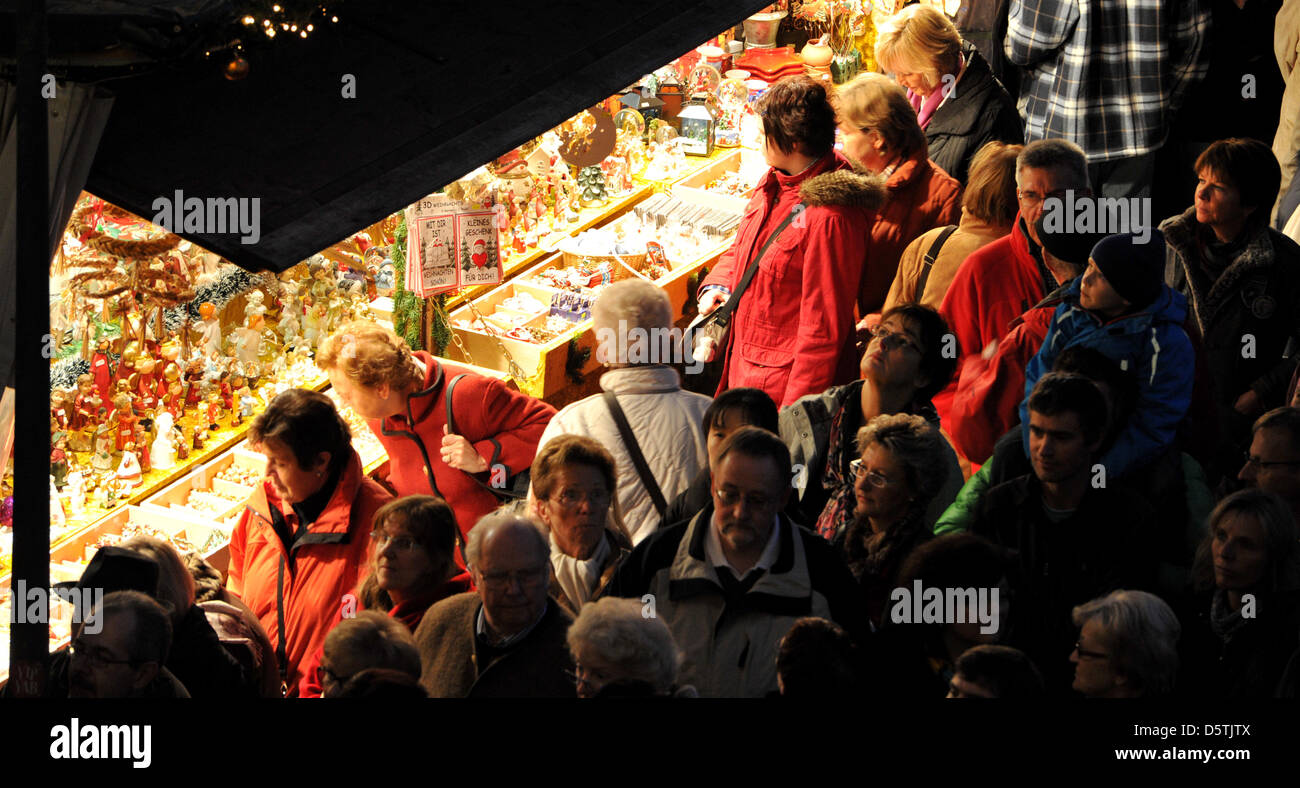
(1049, 154)
(917, 445)
(496, 520)
(642, 648)
(1141, 631)
(372, 640)
(637, 303)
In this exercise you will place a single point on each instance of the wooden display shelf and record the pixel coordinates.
(587, 219)
(548, 364)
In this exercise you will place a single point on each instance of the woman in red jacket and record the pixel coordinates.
(412, 566)
(792, 333)
(881, 134)
(402, 394)
(299, 547)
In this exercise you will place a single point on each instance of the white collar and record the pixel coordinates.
(717, 558)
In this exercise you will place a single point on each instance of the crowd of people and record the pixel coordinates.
(961, 444)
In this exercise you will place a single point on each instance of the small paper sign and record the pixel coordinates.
(450, 245)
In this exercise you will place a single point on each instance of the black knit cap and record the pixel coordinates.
(1067, 245)
(1134, 269)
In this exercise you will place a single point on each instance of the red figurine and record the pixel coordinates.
(102, 370)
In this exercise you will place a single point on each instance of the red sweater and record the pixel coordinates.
(503, 426)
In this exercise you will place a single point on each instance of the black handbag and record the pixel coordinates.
(515, 487)
(706, 341)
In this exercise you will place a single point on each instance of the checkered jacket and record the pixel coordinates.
(1106, 74)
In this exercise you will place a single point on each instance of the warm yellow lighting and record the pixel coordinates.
(275, 8)
(310, 28)
(248, 20)
(303, 34)
(334, 19)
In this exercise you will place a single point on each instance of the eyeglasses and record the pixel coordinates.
(728, 496)
(400, 543)
(97, 657)
(581, 675)
(889, 340)
(1086, 654)
(570, 498)
(1034, 198)
(527, 578)
(323, 673)
(1258, 463)
(874, 478)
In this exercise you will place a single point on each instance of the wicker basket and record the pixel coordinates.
(618, 270)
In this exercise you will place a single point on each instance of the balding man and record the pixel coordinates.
(506, 640)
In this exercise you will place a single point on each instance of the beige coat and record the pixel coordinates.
(971, 234)
(1286, 45)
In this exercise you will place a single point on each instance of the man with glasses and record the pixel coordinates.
(731, 584)
(1003, 279)
(125, 658)
(506, 640)
(1273, 461)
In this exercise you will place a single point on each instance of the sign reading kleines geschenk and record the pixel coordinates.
(450, 244)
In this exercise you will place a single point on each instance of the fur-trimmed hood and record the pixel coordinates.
(844, 187)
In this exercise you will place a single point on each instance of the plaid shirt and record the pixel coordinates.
(1106, 74)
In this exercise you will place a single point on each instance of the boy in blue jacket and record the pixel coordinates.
(1122, 307)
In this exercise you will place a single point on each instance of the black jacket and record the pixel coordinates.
(1256, 296)
(979, 112)
(1056, 566)
(202, 664)
(1251, 663)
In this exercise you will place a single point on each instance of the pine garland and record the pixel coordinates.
(407, 306)
(232, 281)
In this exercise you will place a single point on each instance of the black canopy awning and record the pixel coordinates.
(440, 88)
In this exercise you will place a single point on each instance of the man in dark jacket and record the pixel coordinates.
(730, 585)
(507, 640)
(1070, 540)
(1242, 280)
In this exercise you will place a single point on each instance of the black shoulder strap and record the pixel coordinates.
(930, 257)
(496, 453)
(734, 301)
(451, 419)
(634, 449)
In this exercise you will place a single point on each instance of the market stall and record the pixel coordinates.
(163, 353)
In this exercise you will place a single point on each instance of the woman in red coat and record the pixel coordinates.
(412, 566)
(302, 541)
(882, 136)
(402, 394)
(792, 333)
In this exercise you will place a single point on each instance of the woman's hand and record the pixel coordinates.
(711, 301)
(459, 454)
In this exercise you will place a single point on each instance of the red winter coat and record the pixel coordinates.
(921, 197)
(502, 425)
(793, 332)
(989, 391)
(996, 284)
(322, 568)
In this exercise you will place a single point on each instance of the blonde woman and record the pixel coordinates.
(960, 104)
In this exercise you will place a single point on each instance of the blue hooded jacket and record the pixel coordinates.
(1152, 345)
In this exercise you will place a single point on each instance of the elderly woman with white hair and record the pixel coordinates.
(650, 425)
(619, 651)
(1127, 648)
